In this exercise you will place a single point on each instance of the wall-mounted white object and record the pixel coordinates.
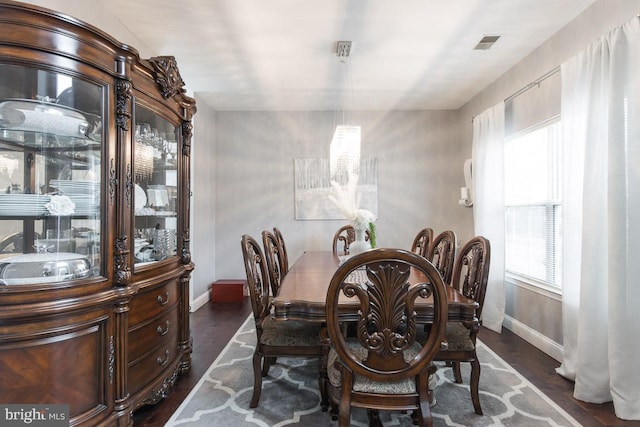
(466, 192)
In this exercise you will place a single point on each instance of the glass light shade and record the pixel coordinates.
(344, 152)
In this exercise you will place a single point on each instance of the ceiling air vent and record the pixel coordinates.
(343, 49)
(486, 42)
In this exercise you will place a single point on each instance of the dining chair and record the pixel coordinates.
(470, 275)
(274, 338)
(273, 255)
(441, 253)
(343, 238)
(284, 257)
(422, 241)
(383, 367)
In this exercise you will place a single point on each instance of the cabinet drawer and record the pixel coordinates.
(153, 302)
(144, 371)
(152, 333)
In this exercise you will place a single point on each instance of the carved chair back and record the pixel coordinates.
(257, 278)
(471, 270)
(422, 241)
(273, 255)
(343, 238)
(442, 252)
(385, 350)
(284, 257)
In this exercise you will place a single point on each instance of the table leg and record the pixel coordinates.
(323, 381)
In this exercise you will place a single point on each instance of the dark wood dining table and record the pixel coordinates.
(303, 294)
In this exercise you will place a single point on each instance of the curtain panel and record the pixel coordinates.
(487, 155)
(601, 296)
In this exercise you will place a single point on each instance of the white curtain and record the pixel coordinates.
(488, 205)
(601, 209)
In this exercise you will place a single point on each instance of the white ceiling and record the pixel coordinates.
(280, 54)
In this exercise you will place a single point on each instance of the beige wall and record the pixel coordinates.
(254, 177)
(203, 200)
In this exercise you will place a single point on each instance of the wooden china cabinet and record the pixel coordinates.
(94, 219)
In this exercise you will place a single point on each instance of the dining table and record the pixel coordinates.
(303, 293)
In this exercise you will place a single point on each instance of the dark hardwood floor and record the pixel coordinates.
(215, 323)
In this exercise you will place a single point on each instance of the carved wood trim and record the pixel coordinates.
(167, 76)
(121, 261)
(187, 132)
(185, 256)
(129, 185)
(156, 395)
(112, 359)
(123, 100)
(113, 181)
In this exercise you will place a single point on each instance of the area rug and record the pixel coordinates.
(290, 395)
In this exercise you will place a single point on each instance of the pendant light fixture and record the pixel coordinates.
(344, 153)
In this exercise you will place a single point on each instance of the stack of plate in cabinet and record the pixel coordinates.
(84, 194)
(23, 204)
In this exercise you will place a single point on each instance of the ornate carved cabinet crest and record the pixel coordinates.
(167, 75)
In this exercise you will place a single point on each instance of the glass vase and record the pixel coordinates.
(360, 244)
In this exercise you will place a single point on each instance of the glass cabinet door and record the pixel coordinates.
(155, 154)
(50, 176)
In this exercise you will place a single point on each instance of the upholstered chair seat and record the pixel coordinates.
(366, 385)
(458, 338)
(289, 333)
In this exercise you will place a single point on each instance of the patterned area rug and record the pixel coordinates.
(290, 395)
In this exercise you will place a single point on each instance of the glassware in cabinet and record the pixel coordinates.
(155, 154)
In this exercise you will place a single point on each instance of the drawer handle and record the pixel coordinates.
(163, 301)
(166, 359)
(163, 332)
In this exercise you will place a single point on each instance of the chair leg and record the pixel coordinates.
(344, 406)
(374, 418)
(456, 372)
(333, 411)
(344, 414)
(323, 378)
(475, 384)
(423, 415)
(324, 393)
(268, 361)
(257, 379)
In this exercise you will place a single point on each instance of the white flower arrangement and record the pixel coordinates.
(60, 206)
(347, 200)
(362, 219)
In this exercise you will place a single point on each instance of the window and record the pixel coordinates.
(533, 205)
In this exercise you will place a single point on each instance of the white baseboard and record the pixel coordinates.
(534, 338)
(199, 302)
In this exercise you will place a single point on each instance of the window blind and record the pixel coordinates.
(533, 204)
